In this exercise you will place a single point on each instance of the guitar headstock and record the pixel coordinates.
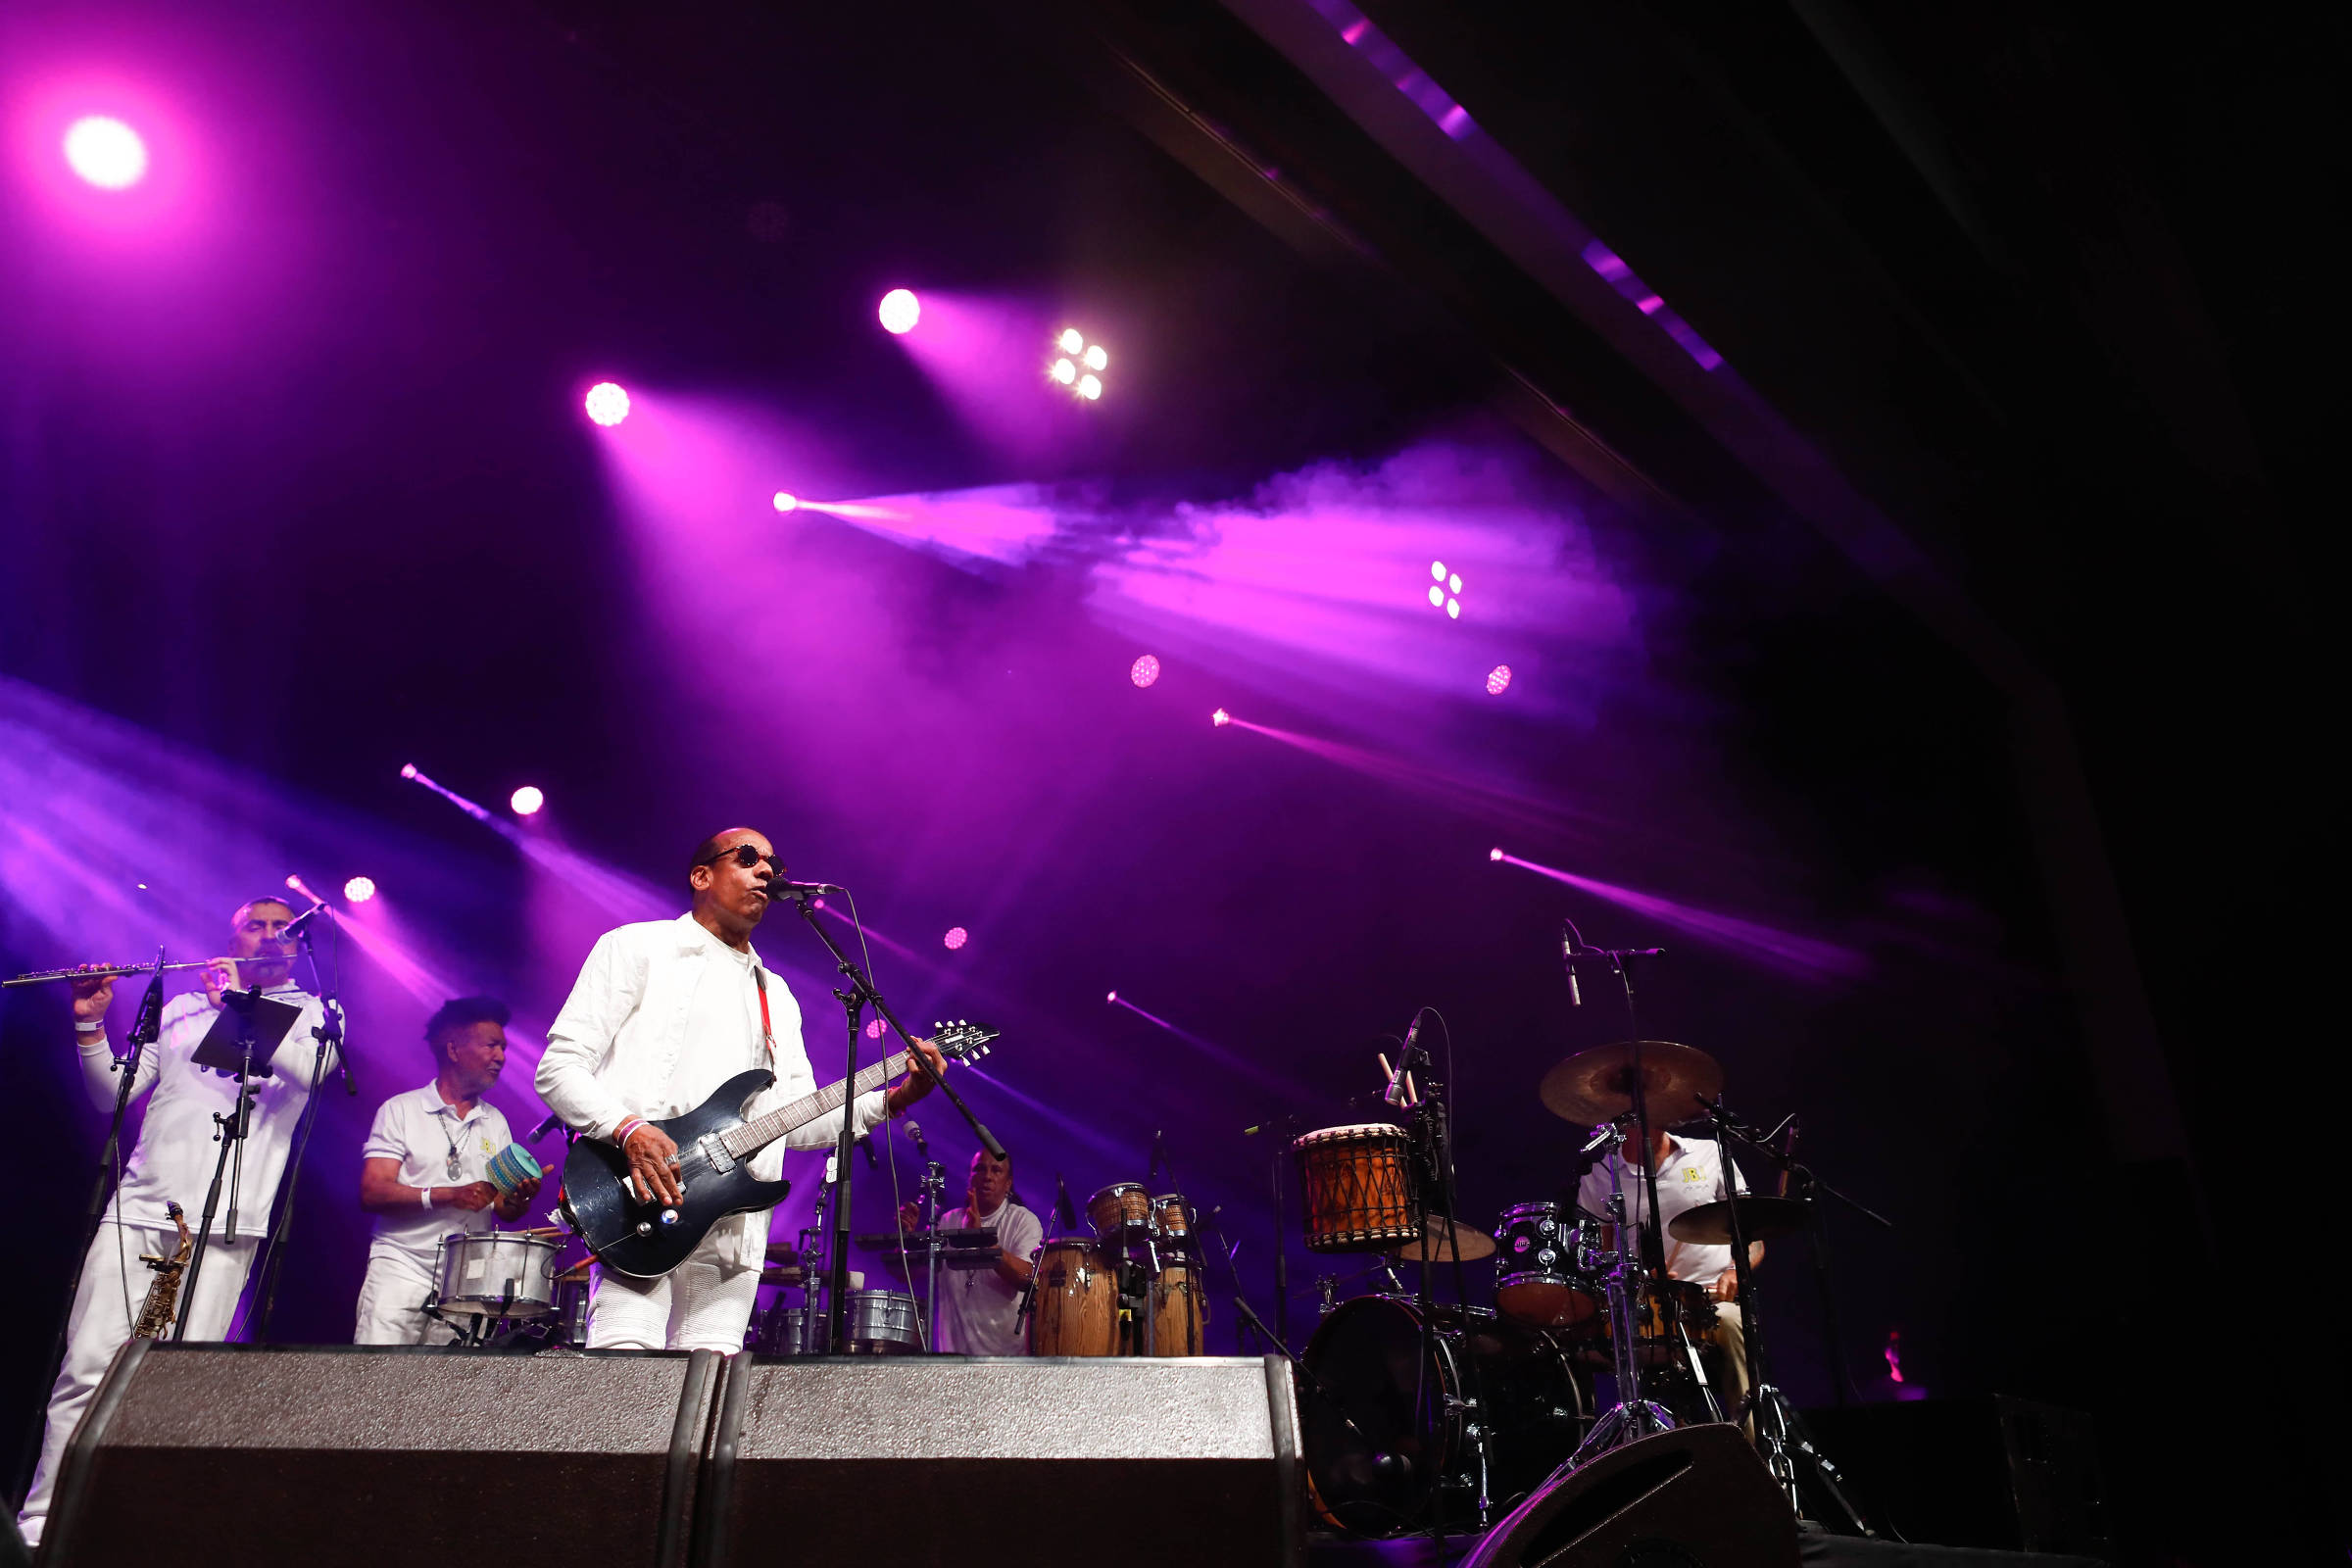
(961, 1041)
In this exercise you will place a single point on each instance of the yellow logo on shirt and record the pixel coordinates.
(486, 1148)
(1689, 1174)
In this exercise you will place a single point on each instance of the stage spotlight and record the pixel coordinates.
(1495, 855)
(1069, 342)
(1096, 358)
(106, 152)
(873, 1028)
(1437, 598)
(358, 890)
(1437, 570)
(1453, 610)
(408, 771)
(1220, 718)
(1498, 680)
(607, 403)
(1090, 387)
(1145, 670)
(1454, 585)
(786, 501)
(1113, 998)
(1064, 371)
(957, 937)
(527, 800)
(900, 311)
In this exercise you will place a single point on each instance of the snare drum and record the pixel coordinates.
(1358, 1194)
(1073, 1299)
(880, 1323)
(784, 1331)
(1537, 1279)
(497, 1274)
(1119, 1209)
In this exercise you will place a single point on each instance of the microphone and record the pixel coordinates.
(778, 888)
(1576, 998)
(297, 925)
(914, 1130)
(1394, 1093)
(872, 1162)
(1157, 1141)
(545, 1127)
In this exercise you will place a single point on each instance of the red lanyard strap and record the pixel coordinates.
(767, 1028)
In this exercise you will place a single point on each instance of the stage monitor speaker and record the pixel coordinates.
(256, 1456)
(944, 1460)
(1693, 1497)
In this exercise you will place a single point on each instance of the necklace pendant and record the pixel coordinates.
(451, 1164)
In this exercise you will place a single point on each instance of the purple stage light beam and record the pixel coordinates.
(900, 311)
(1471, 796)
(1806, 958)
(411, 772)
(1232, 1060)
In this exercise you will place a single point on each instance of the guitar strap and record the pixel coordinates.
(767, 1028)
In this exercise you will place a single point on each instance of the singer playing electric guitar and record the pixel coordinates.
(672, 1025)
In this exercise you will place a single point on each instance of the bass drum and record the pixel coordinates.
(1407, 1462)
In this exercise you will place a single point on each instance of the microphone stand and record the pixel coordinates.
(860, 995)
(328, 1033)
(145, 1029)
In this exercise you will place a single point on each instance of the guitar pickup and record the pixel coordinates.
(715, 1152)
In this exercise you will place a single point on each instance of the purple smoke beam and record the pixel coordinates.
(1804, 957)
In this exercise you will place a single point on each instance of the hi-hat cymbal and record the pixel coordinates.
(1597, 1085)
(1433, 1248)
(1762, 1219)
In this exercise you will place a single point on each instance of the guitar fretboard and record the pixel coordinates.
(757, 1133)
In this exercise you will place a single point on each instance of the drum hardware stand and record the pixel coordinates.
(934, 1186)
(1780, 1432)
(1432, 1129)
(854, 999)
(1632, 1417)
(1621, 964)
(1280, 1126)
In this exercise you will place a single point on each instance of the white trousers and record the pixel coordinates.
(704, 1304)
(392, 1304)
(103, 1315)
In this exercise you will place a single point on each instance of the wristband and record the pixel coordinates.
(424, 1195)
(627, 1130)
(89, 1026)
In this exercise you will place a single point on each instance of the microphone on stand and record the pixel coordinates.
(1576, 998)
(865, 1141)
(1065, 1213)
(1159, 1139)
(300, 923)
(778, 888)
(1394, 1093)
(914, 1130)
(545, 1127)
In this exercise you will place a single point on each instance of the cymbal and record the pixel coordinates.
(1597, 1085)
(1433, 1246)
(1762, 1219)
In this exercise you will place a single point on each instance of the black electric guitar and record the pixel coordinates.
(716, 1146)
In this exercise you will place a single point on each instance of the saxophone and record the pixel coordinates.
(163, 1297)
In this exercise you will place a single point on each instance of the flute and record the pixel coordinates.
(114, 971)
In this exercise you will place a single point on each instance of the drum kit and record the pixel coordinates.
(1425, 1415)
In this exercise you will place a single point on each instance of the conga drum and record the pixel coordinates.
(1179, 1309)
(1073, 1299)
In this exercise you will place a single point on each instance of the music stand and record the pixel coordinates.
(248, 1028)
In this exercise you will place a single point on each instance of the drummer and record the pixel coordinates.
(1690, 1173)
(423, 1171)
(979, 1310)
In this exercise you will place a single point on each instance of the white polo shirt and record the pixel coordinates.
(979, 1310)
(418, 1129)
(1692, 1174)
